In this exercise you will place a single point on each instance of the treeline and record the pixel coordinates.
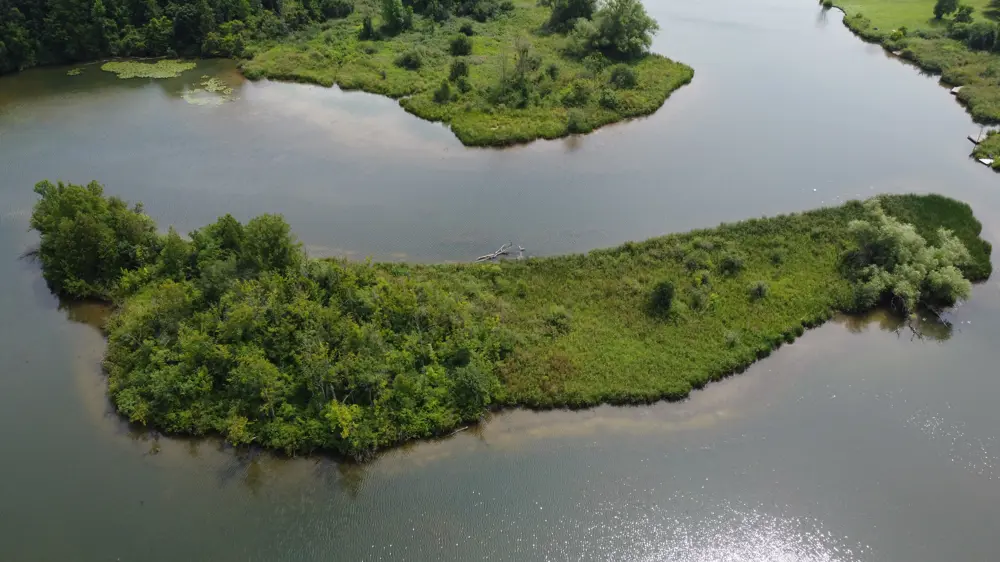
(38, 32)
(234, 332)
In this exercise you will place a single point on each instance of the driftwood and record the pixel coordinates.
(502, 251)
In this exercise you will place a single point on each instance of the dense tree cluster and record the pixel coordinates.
(894, 263)
(34, 32)
(234, 331)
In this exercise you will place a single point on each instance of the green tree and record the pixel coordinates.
(624, 28)
(944, 7)
(964, 14)
(566, 12)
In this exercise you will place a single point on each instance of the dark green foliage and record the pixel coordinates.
(460, 45)
(623, 77)
(610, 99)
(463, 85)
(36, 32)
(395, 17)
(576, 121)
(964, 14)
(367, 32)
(566, 12)
(235, 332)
(458, 69)
(88, 240)
(944, 7)
(731, 265)
(410, 60)
(662, 298)
(758, 290)
(624, 30)
(443, 93)
(483, 10)
(466, 29)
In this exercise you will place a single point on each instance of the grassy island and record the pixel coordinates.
(958, 40)
(234, 331)
(497, 72)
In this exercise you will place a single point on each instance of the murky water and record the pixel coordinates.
(858, 442)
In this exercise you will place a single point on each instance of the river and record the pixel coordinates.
(859, 442)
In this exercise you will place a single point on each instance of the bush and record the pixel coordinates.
(730, 265)
(944, 7)
(609, 99)
(577, 94)
(827, 3)
(410, 60)
(467, 29)
(552, 70)
(463, 84)
(623, 77)
(566, 12)
(576, 121)
(558, 318)
(964, 14)
(367, 32)
(458, 69)
(758, 290)
(334, 9)
(443, 93)
(461, 45)
(396, 17)
(662, 298)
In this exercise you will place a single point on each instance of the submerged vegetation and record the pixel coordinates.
(233, 330)
(496, 71)
(138, 69)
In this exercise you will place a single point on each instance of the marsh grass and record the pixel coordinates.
(334, 53)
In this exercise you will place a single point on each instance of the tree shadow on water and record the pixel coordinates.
(925, 325)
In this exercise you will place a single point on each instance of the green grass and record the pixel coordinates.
(331, 53)
(927, 45)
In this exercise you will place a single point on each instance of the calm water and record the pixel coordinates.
(856, 443)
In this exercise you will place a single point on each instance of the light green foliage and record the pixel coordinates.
(509, 94)
(235, 332)
(894, 262)
(964, 14)
(624, 28)
(159, 69)
(395, 17)
(74, 72)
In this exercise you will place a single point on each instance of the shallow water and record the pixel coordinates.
(856, 443)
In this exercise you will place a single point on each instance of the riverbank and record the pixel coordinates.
(236, 332)
(962, 49)
(502, 81)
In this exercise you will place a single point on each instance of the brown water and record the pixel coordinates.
(858, 442)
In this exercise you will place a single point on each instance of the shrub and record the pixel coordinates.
(459, 68)
(609, 99)
(558, 318)
(467, 29)
(662, 298)
(623, 77)
(566, 12)
(443, 93)
(944, 7)
(730, 264)
(462, 83)
(395, 16)
(461, 45)
(964, 14)
(552, 70)
(332, 9)
(758, 290)
(410, 60)
(367, 32)
(577, 94)
(576, 121)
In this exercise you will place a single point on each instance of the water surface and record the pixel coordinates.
(858, 442)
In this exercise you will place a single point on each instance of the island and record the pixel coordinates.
(234, 331)
(497, 72)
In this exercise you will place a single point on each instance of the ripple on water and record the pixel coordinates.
(978, 455)
(723, 533)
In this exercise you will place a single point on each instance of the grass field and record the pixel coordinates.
(332, 53)
(937, 45)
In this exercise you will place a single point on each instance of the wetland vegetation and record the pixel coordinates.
(497, 72)
(234, 330)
